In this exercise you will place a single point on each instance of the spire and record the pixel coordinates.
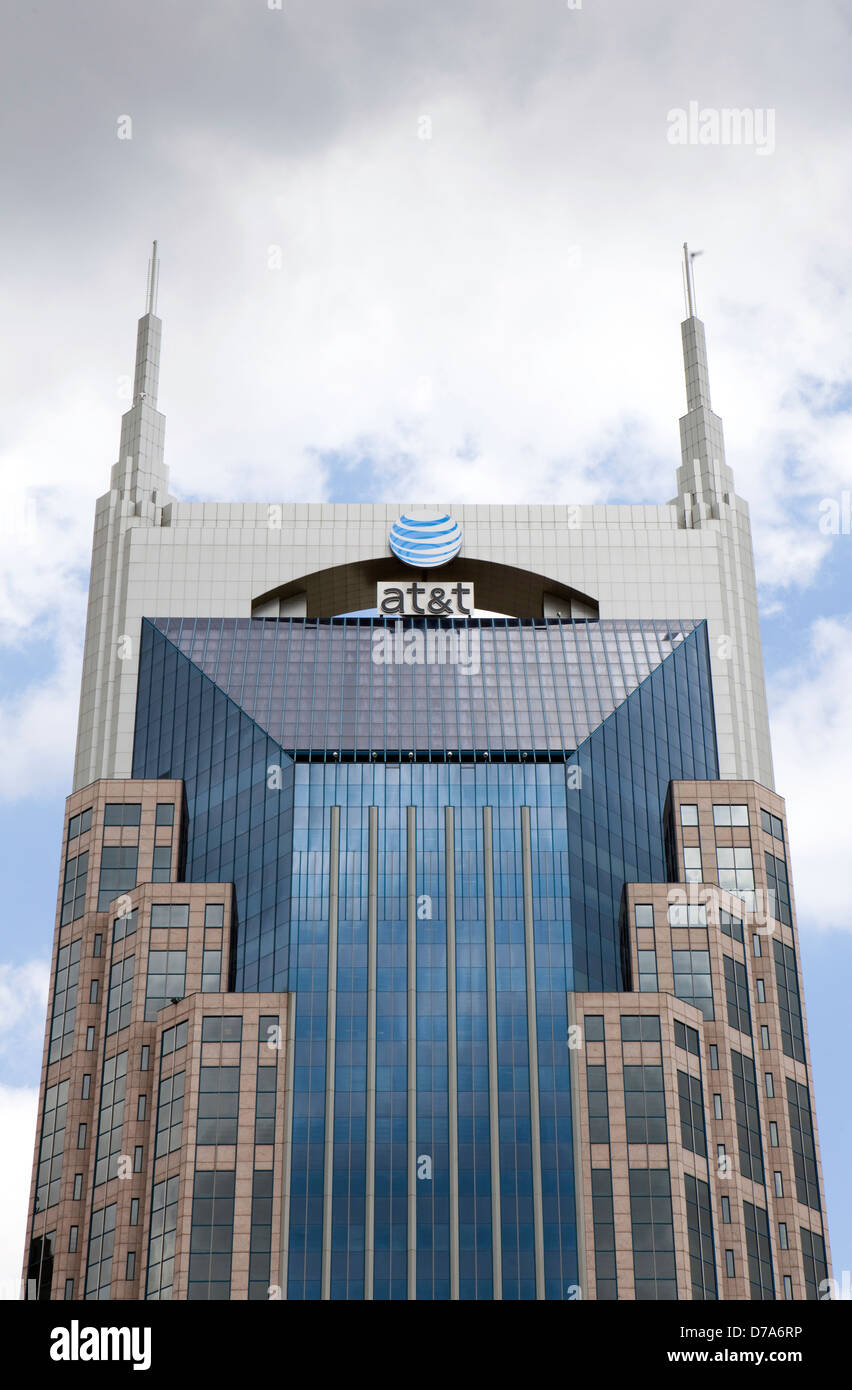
(705, 482)
(141, 473)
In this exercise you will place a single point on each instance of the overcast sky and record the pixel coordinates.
(424, 252)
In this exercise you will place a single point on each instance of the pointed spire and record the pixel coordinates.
(141, 473)
(705, 482)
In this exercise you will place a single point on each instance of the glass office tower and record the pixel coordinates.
(424, 957)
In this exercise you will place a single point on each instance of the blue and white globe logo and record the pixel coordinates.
(425, 542)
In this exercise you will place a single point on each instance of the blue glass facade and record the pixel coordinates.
(478, 826)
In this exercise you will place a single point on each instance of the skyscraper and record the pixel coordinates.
(425, 927)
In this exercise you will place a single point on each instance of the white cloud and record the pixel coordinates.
(18, 1109)
(813, 771)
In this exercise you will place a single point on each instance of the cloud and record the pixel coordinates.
(809, 713)
(18, 1109)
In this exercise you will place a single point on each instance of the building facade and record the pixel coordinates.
(425, 928)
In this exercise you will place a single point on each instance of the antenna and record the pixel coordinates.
(688, 258)
(153, 281)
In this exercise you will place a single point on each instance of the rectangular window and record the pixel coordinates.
(98, 944)
(161, 1240)
(598, 1102)
(161, 869)
(804, 1152)
(170, 1113)
(120, 995)
(261, 1234)
(118, 873)
(714, 1057)
(74, 888)
(726, 1211)
(755, 944)
(645, 1105)
(593, 1027)
(769, 1084)
(643, 915)
(730, 815)
(214, 915)
(731, 926)
(82, 1131)
(264, 1123)
(729, 1264)
(779, 1184)
(130, 1265)
(647, 972)
(782, 1235)
(90, 1038)
(748, 1122)
(692, 864)
(101, 1246)
(736, 871)
(692, 981)
(175, 1038)
(699, 1224)
(64, 1000)
(73, 1232)
(78, 1187)
(218, 1105)
(52, 1146)
(165, 813)
(137, 1158)
(691, 1113)
(759, 1252)
(221, 1028)
(212, 1235)
(688, 814)
(111, 1118)
(69, 1289)
(166, 980)
(736, 994)
(814, 1263)
(779, 889)
(788, 1286)
(717, 1106)
(773, 1134)
(122, 813)
(170, 915)
(141, 1104)
(764, 1037)
(145, 1059)
(687, 915)
(653, 1234)
(125, 925)
(134, 1211)
(789, 1002)
(86, 1086)
(78, 825)
(686, 1037)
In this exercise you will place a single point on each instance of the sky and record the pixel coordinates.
(431, 252)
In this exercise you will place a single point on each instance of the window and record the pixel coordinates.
(789, 1002)
(653, 1235)
(137, 1158)
(40, 1266)
(122, 813)
(98, 944)
(691, 1113)
(161, 1242)
(74, 888)
(779, 1184)
(736, 871)
(64, 1000)
(686, 1037)
(779, 889)
(714, 1057)
(212, 1235)
(90, 1038)
(52, 1146)
(814, 1263)
(86, 1086)
(647, 971)
(729, 1264)
(645, 1105)
(73, 1232)
(772, 825)
(170, 914)
(764, 1037)
(130, 1265)
(218, 1105)
(118, 872)
(166, 980)
(788, 1286)
(726, 1211)
(759, 1252)
(769, 1084)
(111, 1118)
(804, 1152)
(175, 1038)
(134, 1211)
(593, 1027)
(773, 1134)
(688, 814)
(692, 979)
(220, 1028)
(264, 1124)
(125, 926)
(699, 1224)
(101, 1246)
(761, 991)
(161, 868)
(782, 1235)
(145, 1058)
(731, 926)
(82, 1133)
(120, 995)
(748, 1123)
(736, 994)
(730, 815)
(261, 1234)
(78, 1186)
(755, 944)
(78, 825)
(170, 1113)
(596, 1091)
(688, 915)
(165, 813)
(214, 915)
(141, 1105)
(717, 1106)
(643, 915)
(69, 1289)
(692, 864)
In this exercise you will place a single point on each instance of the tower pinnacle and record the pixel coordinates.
(704, 480)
